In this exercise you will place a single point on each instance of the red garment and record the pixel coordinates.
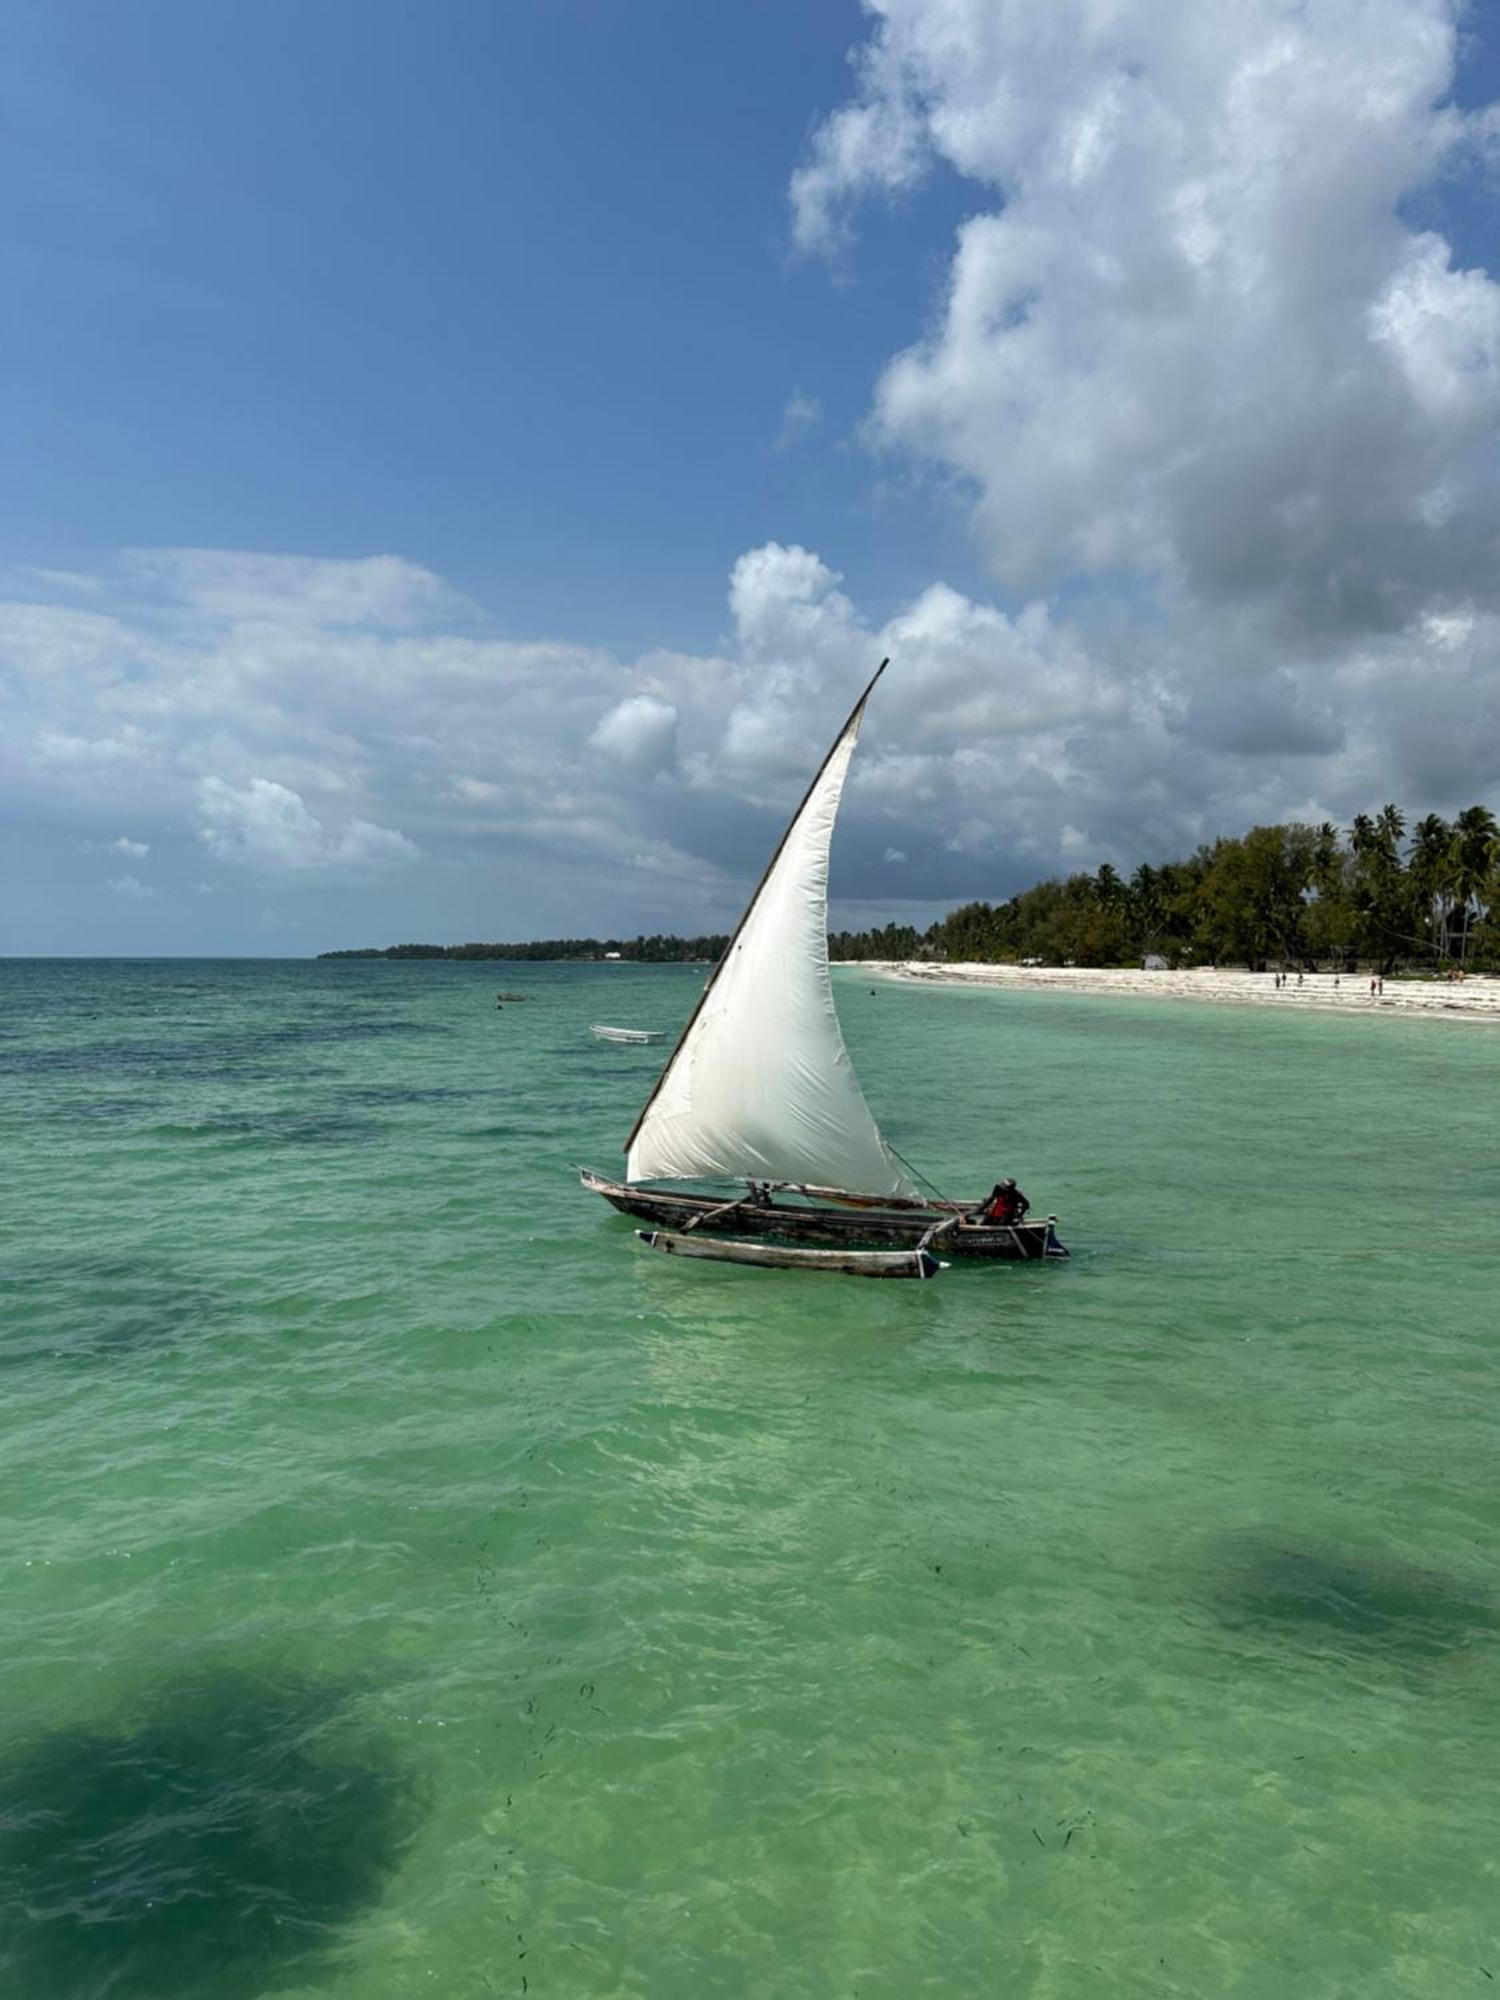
(1007, 1205)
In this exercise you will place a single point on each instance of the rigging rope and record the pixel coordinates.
(916, 1173)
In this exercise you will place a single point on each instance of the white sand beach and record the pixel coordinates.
(1473, 999)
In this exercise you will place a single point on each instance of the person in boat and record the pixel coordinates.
(1004, 1203)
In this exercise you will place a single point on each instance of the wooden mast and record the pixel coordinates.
(854, 716)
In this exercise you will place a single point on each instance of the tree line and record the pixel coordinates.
(1285, 895)
(655, 950)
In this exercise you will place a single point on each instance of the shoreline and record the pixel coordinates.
(1476, 999)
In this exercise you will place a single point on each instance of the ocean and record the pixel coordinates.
(413, 1586)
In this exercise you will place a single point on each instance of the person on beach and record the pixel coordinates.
(1004, 1203)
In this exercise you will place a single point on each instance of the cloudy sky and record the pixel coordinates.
(463, 460)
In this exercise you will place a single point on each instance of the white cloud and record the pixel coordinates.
(130, 886)
(877, 142)
(134, 849)
(266, 825)
(640, 731)
(56, 640)
(591, 792)
(786, 606)
(244, 587)
(1194, 339)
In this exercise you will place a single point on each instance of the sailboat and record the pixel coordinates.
(759, 1096)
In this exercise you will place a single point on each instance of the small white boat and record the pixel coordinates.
(917, 1263)
(629, 1034)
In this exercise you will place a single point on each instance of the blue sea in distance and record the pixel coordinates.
(413, 1586)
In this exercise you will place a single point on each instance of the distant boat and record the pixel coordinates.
(760, 1092)
(629, 1034)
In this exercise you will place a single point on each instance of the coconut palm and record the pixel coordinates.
(1476, 851)
(1432, 871)
(1380, 886)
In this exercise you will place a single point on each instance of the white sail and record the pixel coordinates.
(761, 1086)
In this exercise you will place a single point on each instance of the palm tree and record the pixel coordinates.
(1147, 903)
(1330, 916)
(1380, 883)
(1431, 867)
(1476, 849)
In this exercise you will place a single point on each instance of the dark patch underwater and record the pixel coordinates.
(213, 1846)
(278, 1128)
(1334, 1601)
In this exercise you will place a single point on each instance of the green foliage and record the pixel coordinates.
(1282, 895)
(896, 941)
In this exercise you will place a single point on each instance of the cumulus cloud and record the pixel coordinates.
(640, 731)
(593, 791)
(1195, 339)
(129, 885)
(266, 825)
(1224, 412)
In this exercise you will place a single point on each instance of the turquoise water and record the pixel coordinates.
(412, 1586)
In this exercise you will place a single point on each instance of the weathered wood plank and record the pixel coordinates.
(837, 1228)
(790, 1257)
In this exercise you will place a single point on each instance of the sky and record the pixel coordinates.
(465, 460)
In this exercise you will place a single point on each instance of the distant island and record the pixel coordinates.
(640, 950)
(1292, 895)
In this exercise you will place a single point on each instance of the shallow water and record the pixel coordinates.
(413, 1586)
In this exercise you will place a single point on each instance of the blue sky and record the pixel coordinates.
(464, 458)
(492, 286)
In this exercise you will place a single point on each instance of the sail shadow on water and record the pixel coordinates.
(1353, 1603)
(217, 1844)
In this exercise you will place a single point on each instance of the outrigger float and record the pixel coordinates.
(759, 1094)
(791, 1257)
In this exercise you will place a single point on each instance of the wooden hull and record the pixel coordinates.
(788, 1257)
(825, 1224)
